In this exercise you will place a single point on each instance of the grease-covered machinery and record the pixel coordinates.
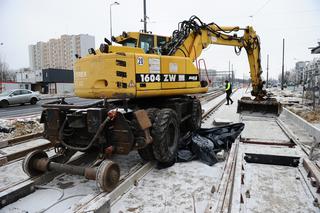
(146, 83)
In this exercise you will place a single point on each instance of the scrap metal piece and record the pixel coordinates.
(144, 123)
(313, 173)
(272, 159)
(270, 105)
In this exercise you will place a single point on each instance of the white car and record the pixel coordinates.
(18, 96)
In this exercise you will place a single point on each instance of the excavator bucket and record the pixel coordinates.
(268, 106)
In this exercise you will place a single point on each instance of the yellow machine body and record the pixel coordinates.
(126, 74)
(135, 69)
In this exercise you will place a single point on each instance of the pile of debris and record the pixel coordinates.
(19, 127)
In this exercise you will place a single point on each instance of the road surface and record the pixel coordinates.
(27, 109)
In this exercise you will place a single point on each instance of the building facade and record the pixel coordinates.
(59, 53)
(311, 69)
(300, 65)
(47, 81)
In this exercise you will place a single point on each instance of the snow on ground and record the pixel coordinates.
(64, 191)
(182, 188)
(12, 173)
(11, 128)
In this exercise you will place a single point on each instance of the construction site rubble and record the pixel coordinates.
(13, 128)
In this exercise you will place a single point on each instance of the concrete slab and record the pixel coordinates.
(272, 188)
(264, 130)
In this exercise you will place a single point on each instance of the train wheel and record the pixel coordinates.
(28, 163)
(108, 175)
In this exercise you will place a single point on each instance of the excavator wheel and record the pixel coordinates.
(147, 152)
(196, 115)
(108, 175)
(29, 162)
(165, 133)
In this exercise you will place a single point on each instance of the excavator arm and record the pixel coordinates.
(193, 36)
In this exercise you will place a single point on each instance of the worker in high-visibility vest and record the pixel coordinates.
(228, 91)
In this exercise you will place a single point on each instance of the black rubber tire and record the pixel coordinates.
(165, 133)
(33, 101)
(147, 152)
(194, 122)
(4, 103)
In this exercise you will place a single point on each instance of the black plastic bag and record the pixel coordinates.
(205, 143)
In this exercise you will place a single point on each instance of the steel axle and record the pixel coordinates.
(107, 175)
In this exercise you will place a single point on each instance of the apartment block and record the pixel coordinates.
(59, 53)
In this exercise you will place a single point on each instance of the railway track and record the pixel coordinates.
(16, 148)
(93, 201)
(25, 144)
(268, 169)
(237, 189)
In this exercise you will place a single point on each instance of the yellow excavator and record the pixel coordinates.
(145, 84)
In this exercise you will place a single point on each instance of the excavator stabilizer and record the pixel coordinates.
(267, 106)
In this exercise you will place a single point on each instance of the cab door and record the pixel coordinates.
(148, 73)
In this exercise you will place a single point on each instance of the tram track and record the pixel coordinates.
(90, 201)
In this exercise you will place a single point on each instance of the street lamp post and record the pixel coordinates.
(2, 66)
(114, 3)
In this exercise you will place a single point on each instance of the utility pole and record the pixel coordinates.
(144, 16)
(232, 73)
(282, 75)
(110, 13)
(229, 71)
(267, 71)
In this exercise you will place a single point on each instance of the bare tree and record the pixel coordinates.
(5, 74)
(289, 77)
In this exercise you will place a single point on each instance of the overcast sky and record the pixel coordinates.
(27, 22)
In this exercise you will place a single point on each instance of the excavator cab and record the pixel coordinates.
(149, 43)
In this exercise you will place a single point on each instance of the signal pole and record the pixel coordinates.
(144, 16)
(282, 75)
(267, 71)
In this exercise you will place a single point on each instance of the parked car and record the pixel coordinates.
(18, 96)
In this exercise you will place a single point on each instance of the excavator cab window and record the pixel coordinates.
(161, 41)
(130, 42)
(146, 43)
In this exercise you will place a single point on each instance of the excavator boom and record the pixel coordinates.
(194, 35)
